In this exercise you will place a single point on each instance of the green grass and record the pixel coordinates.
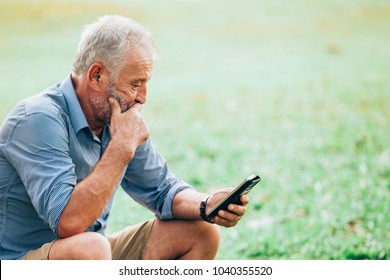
(297, 91)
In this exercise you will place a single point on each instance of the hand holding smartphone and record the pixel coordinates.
(234, 196)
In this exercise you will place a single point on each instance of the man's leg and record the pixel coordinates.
(167, 240)
(83, 246)
(179, 239)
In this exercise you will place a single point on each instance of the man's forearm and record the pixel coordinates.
(186, 205)
(91, 195)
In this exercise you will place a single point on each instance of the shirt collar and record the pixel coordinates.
(76, 114)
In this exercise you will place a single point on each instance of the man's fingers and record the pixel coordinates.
(114, 105)
(219, 220)
(230, 216)
(136, 107)
(237, 209)
(244, 200)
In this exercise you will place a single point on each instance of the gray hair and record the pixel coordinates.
(107, 40)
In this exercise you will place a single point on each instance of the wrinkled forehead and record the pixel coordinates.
(138, 63)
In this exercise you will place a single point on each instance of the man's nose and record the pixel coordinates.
(141, 94)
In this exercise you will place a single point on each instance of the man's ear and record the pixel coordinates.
(95, 72)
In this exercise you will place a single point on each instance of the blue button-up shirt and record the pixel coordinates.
(46, 148)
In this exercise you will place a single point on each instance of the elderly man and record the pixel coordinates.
(64, 151)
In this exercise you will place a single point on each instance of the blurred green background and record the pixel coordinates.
(296, 91)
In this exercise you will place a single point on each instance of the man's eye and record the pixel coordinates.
(136, 84)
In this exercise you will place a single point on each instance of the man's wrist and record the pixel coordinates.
(123, 156)
(202, 209)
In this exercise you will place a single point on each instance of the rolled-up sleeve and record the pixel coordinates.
(148, 181)
(38, 150)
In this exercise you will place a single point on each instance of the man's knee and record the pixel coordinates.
(206, 240)
(179, 239)
(96, 247)
(84, 246)
(211, 235)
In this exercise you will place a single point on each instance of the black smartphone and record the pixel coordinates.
(234, 196)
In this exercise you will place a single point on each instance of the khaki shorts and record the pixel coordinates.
(127, 244)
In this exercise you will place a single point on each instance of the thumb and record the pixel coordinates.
(114, 105)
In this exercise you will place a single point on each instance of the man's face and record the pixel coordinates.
(130, 86)
(112, 93)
